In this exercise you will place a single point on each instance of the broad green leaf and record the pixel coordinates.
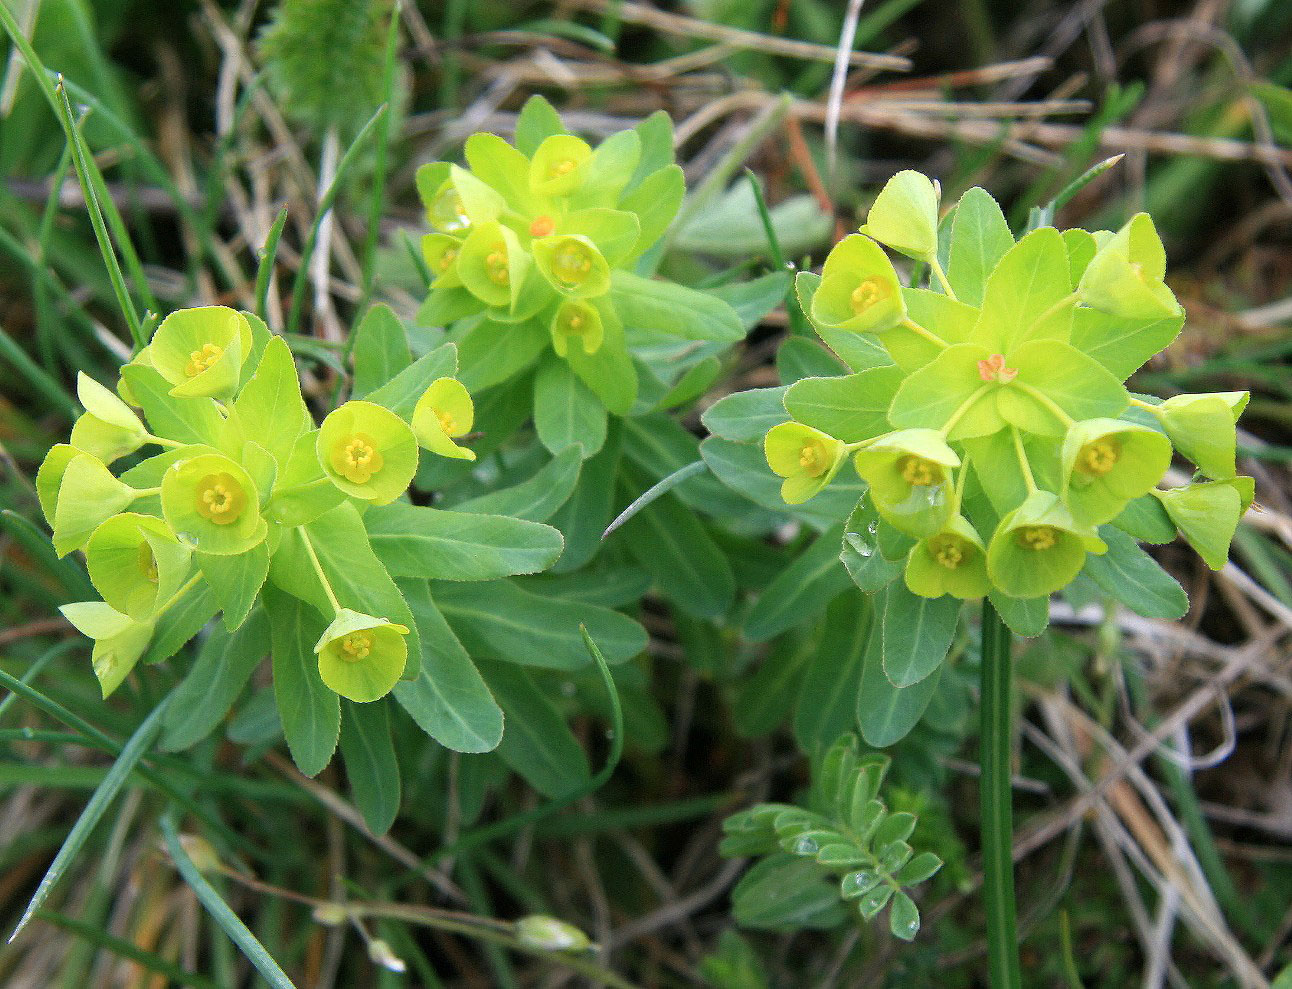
(309, 712)
(538, 743)
(886, 714)
(755, 298)
(661, 446)
(801, 591)
(590, 508)
(1067, 377)
(655, 203)
(448, 699)
(357, 576)
(762, 701)
(1026, 284)
(1146, 520)
(566, 412)
(980, 237)
(870, 569)
(180, 622)
(917, 632)
(370, 763)
(672, 309)
(490, 352)
(950, 320)
(536, 122)
(235, 581)
(798, 358)
(1134, 578)
(827, 699)
(746, 416)
(380, 350)
(784, 892)
(270, 409)
(933, 394)
(1027, 617)
(1120, 344)
(671, 543)
(412, 541)
(400, 393)
(849, 408)
(536, 499)
(187, 420)
(500, 620)
(223, 665)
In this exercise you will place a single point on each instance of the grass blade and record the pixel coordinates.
(656, 490)
(266, 269)
(254, 951)
(134, 750)
(126, 949)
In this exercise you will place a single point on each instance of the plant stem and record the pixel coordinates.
(928, 335)
(1067, 300)
(318, 570)
(1054, 407)
(995, 811)
(965, 406)
(936, 266)
(1024, 464)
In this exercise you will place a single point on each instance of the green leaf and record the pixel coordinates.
(980, 237)
(538, 743)
(501, 620)
(427, 542)
(536, 499)
(861, 552)
(672, 309)
(784, 892)
(223, 665)
(379, 350)
(370, 763)
(270, 409)
(1027, 282)
(187, 420)
(181, 622)
(798, 358)
(537, 121)
(1122, 344)
(1027, 617)
(743, 468)
(235, 581)
(134, 750)
(1134, 578)
(1066, 376)
(746, 416)
(827, 700)
(917, 632)
(1146, 520)
(671, 543)
(589, 509)
(886, 714)
(448, 699)
(566, 412)
(904, 917)
(309, 712)
(850, 408)
(400, 393)
(490, 352)
(918, 869)
(754, 299)
(800, 591)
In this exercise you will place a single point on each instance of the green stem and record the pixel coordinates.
(958, 495)
(941, 276)
(163, 441)
(965, 406)
(798, 323)
(1045, 400)
(928, 335)
(995, 810)
(318, 570)
(1023, 462)
(1067, 300)
(145, 492)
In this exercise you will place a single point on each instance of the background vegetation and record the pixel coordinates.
(1154, 766)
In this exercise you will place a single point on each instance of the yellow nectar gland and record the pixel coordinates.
(920, 472)
(1037, 537)
(1099, 457)
(220, 498)
(572, 263)
(201, 359)
(354, 647)
(496, 265)
(563, 167)
(813, 458)
(447, 422)
(447, 259)
(356, 458)
(865, 295)
(147, 563)
(542, 226)
(948, 551)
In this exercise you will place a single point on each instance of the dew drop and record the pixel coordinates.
(856, 883)
(873, 528)
(568, 688)
(805, 846)
(859, 545)
(189, 539)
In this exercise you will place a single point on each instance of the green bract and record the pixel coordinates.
(904, 216)
(1125, 277)
(136, 563)
(951, 561)
(361, 657)
(1038, 548)
(109, 429)
(201, 351)
(859, 289)
(211, 503)
(119, 640)
(1202, 427)
(1107, 462)
(909, 473)
(807, 458)
(87, 495)
(1207, 515)
(444, 413)
(368, 452)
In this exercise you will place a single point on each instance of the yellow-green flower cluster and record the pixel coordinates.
(1009, 437)
(526, 240)
(241, 464)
